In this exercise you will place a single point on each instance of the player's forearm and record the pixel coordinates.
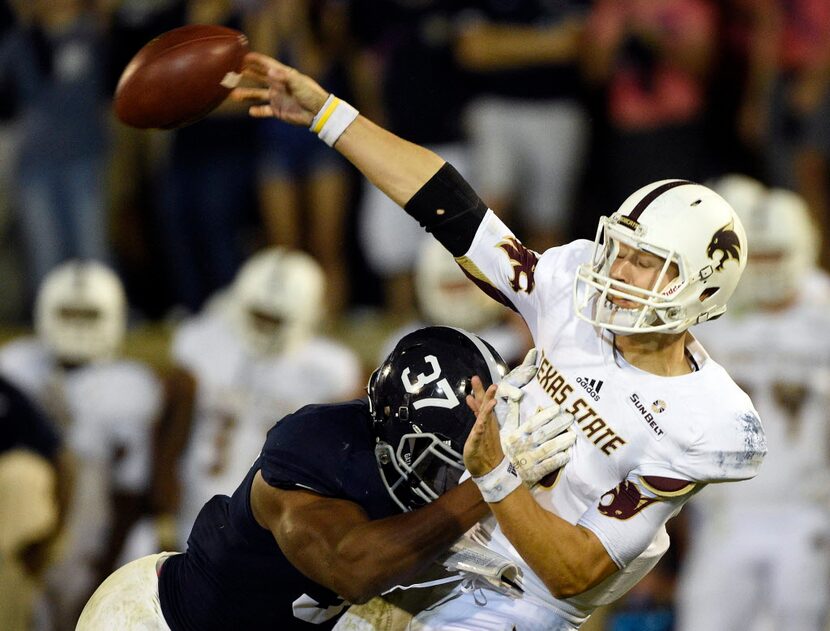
(397, 167)
(388, 552)
(568, 558)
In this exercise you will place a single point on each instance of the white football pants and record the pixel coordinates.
(128, 600)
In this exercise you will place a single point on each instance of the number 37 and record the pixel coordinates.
(449, 401)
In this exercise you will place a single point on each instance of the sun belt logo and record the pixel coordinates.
(592, 386)
(636, 402)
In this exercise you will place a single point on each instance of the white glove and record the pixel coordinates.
(539, 445)
(509, 393)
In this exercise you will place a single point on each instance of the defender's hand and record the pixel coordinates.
(281, 91)
(482, 450)
(540, 445)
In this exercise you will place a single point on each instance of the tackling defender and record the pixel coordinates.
(658, 419)
(318, 518)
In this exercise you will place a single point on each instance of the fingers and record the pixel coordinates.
(509, 391)
(475, 399)
(530, 357)
(560, 443)
(261, 111)
(249, 94)
(262, 63)
(535, 464)
(555, 426)
(522, 374)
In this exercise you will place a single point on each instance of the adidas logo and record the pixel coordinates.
(592, 386)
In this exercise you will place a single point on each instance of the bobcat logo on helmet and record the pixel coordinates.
(524, 263)
(725, 240)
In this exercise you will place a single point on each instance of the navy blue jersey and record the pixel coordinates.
(23, 425)
(233, 575)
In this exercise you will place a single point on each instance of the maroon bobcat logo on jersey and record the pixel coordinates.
(623, 502)
(726, 241)
(523, 262)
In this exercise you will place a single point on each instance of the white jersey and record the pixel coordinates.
(240, 396)
(106, 408)
(645, 443)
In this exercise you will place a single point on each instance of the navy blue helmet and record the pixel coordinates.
(420, 416)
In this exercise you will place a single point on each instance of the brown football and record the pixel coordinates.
(180, 76)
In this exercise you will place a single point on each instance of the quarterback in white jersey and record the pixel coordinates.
(107, 407)
(657, 419)
(772, 532)
(255, 358)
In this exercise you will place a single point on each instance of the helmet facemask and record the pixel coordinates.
(422, 468)
(694, 231)
(658, 310)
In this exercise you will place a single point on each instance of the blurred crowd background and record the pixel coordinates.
(165, 296)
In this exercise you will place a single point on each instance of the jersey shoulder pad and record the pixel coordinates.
(197, 337)
(338, 364)
(558, 264)
(124, 392)
(729, 442)
(27, 363)
(315, 446)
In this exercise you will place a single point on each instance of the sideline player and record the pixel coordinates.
(253, 355)
(346, 500)
(773, 532)
(107, 407)
(658, 419)
(445, 296)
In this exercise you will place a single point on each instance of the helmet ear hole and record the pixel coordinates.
(708, 293)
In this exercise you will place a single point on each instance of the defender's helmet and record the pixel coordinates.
(784, 248)
(81, 311)
(446, 296)
(687, 225)
(420, 417)
(277, 300)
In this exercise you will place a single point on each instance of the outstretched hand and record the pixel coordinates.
(482, 451)
(279, 91)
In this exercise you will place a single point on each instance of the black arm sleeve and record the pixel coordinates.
(449, 208)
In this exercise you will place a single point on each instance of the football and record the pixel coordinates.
(180, 76)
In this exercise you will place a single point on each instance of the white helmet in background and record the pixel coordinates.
(81, 311)
(446, 296)
(686, 224)
(740, 191)
(278, 299)
(784, 248)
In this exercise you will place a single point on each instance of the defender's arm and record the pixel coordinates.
(333, 542)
